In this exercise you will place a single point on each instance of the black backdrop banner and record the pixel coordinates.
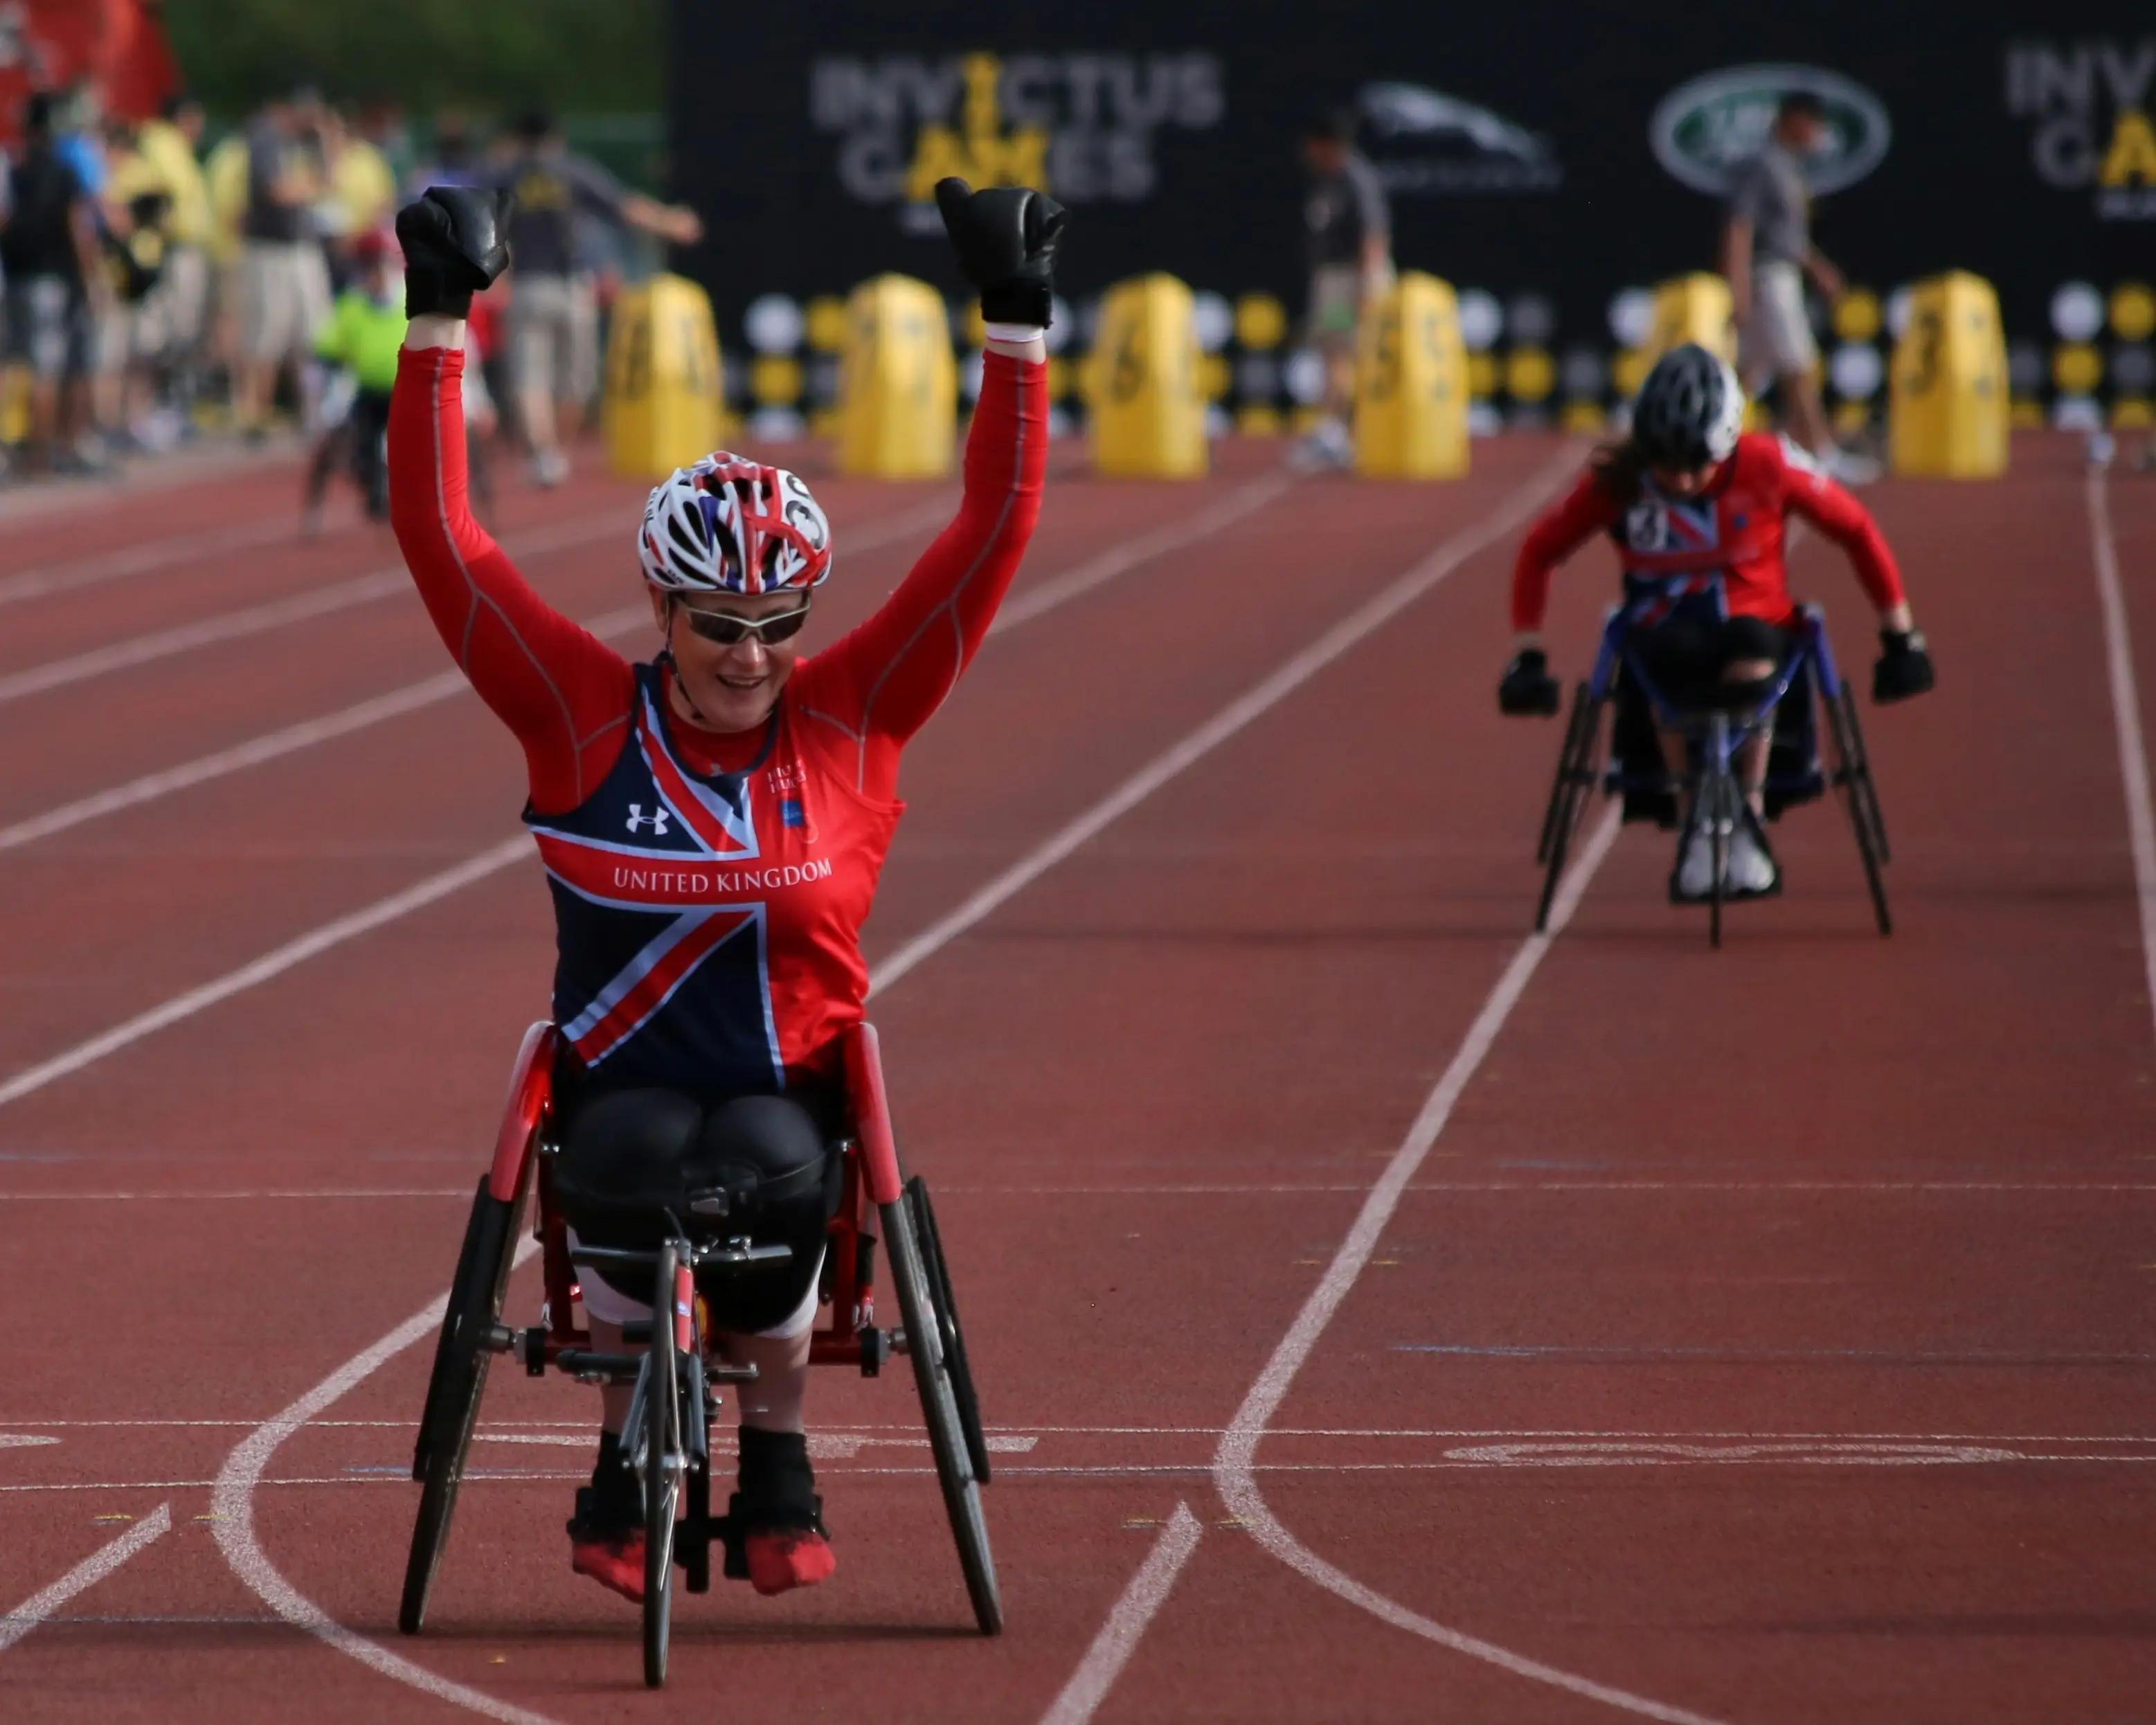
(1563, 151)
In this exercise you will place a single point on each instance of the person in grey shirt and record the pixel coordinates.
(1351, 263)
(1767, 253)
(552, 326)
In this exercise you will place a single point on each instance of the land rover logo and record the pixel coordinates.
(1704, 130)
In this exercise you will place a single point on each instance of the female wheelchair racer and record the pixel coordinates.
(712, 824)
(1698, 514)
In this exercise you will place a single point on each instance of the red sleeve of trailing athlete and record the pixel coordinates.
(563, 692)
(879, 684)
(1560, 531)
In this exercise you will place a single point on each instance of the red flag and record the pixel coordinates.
(48, 44)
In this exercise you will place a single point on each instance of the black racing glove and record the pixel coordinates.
(1005, 237)
(1904, 668)
(455, 244)
(1528, 689)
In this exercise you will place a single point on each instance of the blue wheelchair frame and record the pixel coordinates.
(1713, 798)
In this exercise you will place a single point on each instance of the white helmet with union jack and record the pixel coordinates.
(726, 524)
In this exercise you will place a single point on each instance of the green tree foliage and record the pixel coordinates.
(588, 55)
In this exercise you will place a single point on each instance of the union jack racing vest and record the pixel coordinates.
(707, 925)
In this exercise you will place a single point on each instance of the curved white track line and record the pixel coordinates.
(233, 1502)
(1232, 1462)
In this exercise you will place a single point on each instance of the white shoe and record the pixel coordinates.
(1327, 445)
(1852, 467)
(1750, 869)
(550, 468)
(1696, 871)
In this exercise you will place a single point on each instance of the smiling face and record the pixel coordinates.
(732, 687)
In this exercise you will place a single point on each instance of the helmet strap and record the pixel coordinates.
(680, 683)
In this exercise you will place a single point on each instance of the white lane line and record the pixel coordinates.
(1023, 606)
(245, 1554)
(2125, 715)
(86, 1574)
(489, 861)
(277, 614)
(1824, 1187)
(227, 626)
(233, 1502)
(445, 685)
(1119, 1636)
(140, 558)
(1359, 623)
(1234, 1464)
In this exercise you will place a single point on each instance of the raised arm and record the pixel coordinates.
(879, 685)
(564, 693)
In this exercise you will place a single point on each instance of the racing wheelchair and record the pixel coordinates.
(667, 1436)
(1709, 796)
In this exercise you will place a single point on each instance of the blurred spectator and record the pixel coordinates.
(365, 329)
(455, 160)
(48, 253)
(283, 281)
(135, 219)
(1766, 252)
(363, 185)
(1351, 263)
(180, 317)
(77, 135)
(552, 318)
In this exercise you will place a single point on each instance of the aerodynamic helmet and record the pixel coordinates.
(1689, 411)
(725, 524)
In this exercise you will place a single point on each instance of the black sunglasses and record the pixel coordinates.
(728, 630)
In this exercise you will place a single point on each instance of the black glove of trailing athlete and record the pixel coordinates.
(455, 244)
(1904, 666)
(1005, 237)
(1528, 688)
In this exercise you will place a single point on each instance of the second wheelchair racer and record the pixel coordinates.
(712, 823)
(1698, 512)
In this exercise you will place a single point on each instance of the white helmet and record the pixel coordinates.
(725, 524)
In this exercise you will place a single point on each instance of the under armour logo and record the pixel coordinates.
(656, 820)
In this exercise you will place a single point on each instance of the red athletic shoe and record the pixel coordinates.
(614, 1563)
(783, 1558)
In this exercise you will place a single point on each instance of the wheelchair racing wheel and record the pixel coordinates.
(663, 1452)
(937, 1370)
(1852, 773)
(946, 1308)
(1575, 778)
(461, 1358)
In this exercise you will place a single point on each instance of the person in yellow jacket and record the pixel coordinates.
(165, 160)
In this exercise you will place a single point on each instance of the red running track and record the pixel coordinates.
(1757, 1337)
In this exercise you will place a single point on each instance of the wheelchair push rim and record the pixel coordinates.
(1853, 774)
(662, 1451)
(1575, 778)
(933, 1375)
(461, 1358)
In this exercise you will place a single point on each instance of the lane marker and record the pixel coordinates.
(1234, 1470)
(1022, 607)
(1351, 629)
(428, 691)
(2125, 718)
(234, 1499)
(1119, 1635)
(140, 558)
(243, 1469)
(320, 601)
(489, 861)
(86, 1574)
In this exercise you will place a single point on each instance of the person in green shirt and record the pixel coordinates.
(364, 330)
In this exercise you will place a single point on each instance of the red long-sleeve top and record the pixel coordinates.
(709, 890)
(1736, 527)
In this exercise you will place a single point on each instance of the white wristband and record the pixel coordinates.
(1018, 334)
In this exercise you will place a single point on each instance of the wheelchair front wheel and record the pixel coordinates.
(935, 1373)
(1853, 773)
(666, 1457)
(1575, 778)
(461, 1358)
